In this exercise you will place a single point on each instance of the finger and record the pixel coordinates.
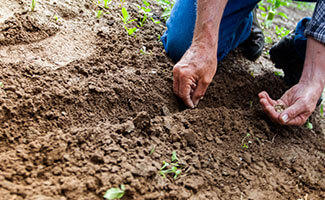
(269, 110)
(176, 81)
(296, 114)
(200, 91)
(184, 92)
(265, 95)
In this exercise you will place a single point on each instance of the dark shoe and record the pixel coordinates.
(284, 56)
(252, 47)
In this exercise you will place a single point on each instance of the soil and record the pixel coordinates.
(82, 110)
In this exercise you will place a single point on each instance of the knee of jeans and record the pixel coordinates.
(174, 45)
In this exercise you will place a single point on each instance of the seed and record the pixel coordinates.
(280, 108)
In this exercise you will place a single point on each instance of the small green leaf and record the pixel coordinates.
(115, 193)
(178, 172)
(261, 8)
(99, 13)
(165, 164)
(309, 125)
(278, 73)
(174, 156)
(154, 147)
(125, 15)
(271, 15)
(132, 30)
(268, 39)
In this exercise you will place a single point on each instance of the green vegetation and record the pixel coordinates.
(115, 193)
(99, 13)
(171, 168)
(126, 20)
(152, 150)
(278, 73)
(32, 7)
(309, 125)
(106, 3)
(245, 141)
(269, 10)
(167, 6)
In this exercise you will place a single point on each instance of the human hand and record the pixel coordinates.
(300, 101)
(193, 74)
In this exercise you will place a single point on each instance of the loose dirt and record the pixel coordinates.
(81, 110)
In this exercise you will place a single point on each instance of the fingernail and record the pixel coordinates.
(284, 118)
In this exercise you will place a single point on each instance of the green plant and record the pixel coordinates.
(99, 13)
(32, 7)
(152, 150)
(278, 73)
(56, 18)
(281, 32)
(126, 20)
(171, 168)
(167, 6)
(115, 193)
(309, 125)
(245, 141)
(106, 3)
(269, 8)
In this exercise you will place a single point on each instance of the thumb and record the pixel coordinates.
(292, 115)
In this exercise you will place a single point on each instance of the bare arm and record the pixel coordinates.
(195, 71)
(302, 97)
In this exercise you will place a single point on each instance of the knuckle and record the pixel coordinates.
(205, 81)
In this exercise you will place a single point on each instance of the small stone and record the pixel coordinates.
(142, 120)
(190, 137)
(165, 111)
(247, 157)
(126, 127)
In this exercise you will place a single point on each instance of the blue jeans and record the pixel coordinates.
(234, 29)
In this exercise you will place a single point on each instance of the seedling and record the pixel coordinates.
(174, 157)
(281, 32)
(56, 18)
(143, 50)
(32, 7)
(167, 5)
(152, 150)
(171, 168)
(245, 144)
(126, 20)
(115, 193)
(309, 125)
(106, 3)
(99, 13)
(278, 73)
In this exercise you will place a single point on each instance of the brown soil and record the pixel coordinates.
(81, 111)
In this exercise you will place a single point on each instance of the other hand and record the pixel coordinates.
(300, 101)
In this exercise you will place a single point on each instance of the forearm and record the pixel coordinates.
(209, 14)
(314, 67)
